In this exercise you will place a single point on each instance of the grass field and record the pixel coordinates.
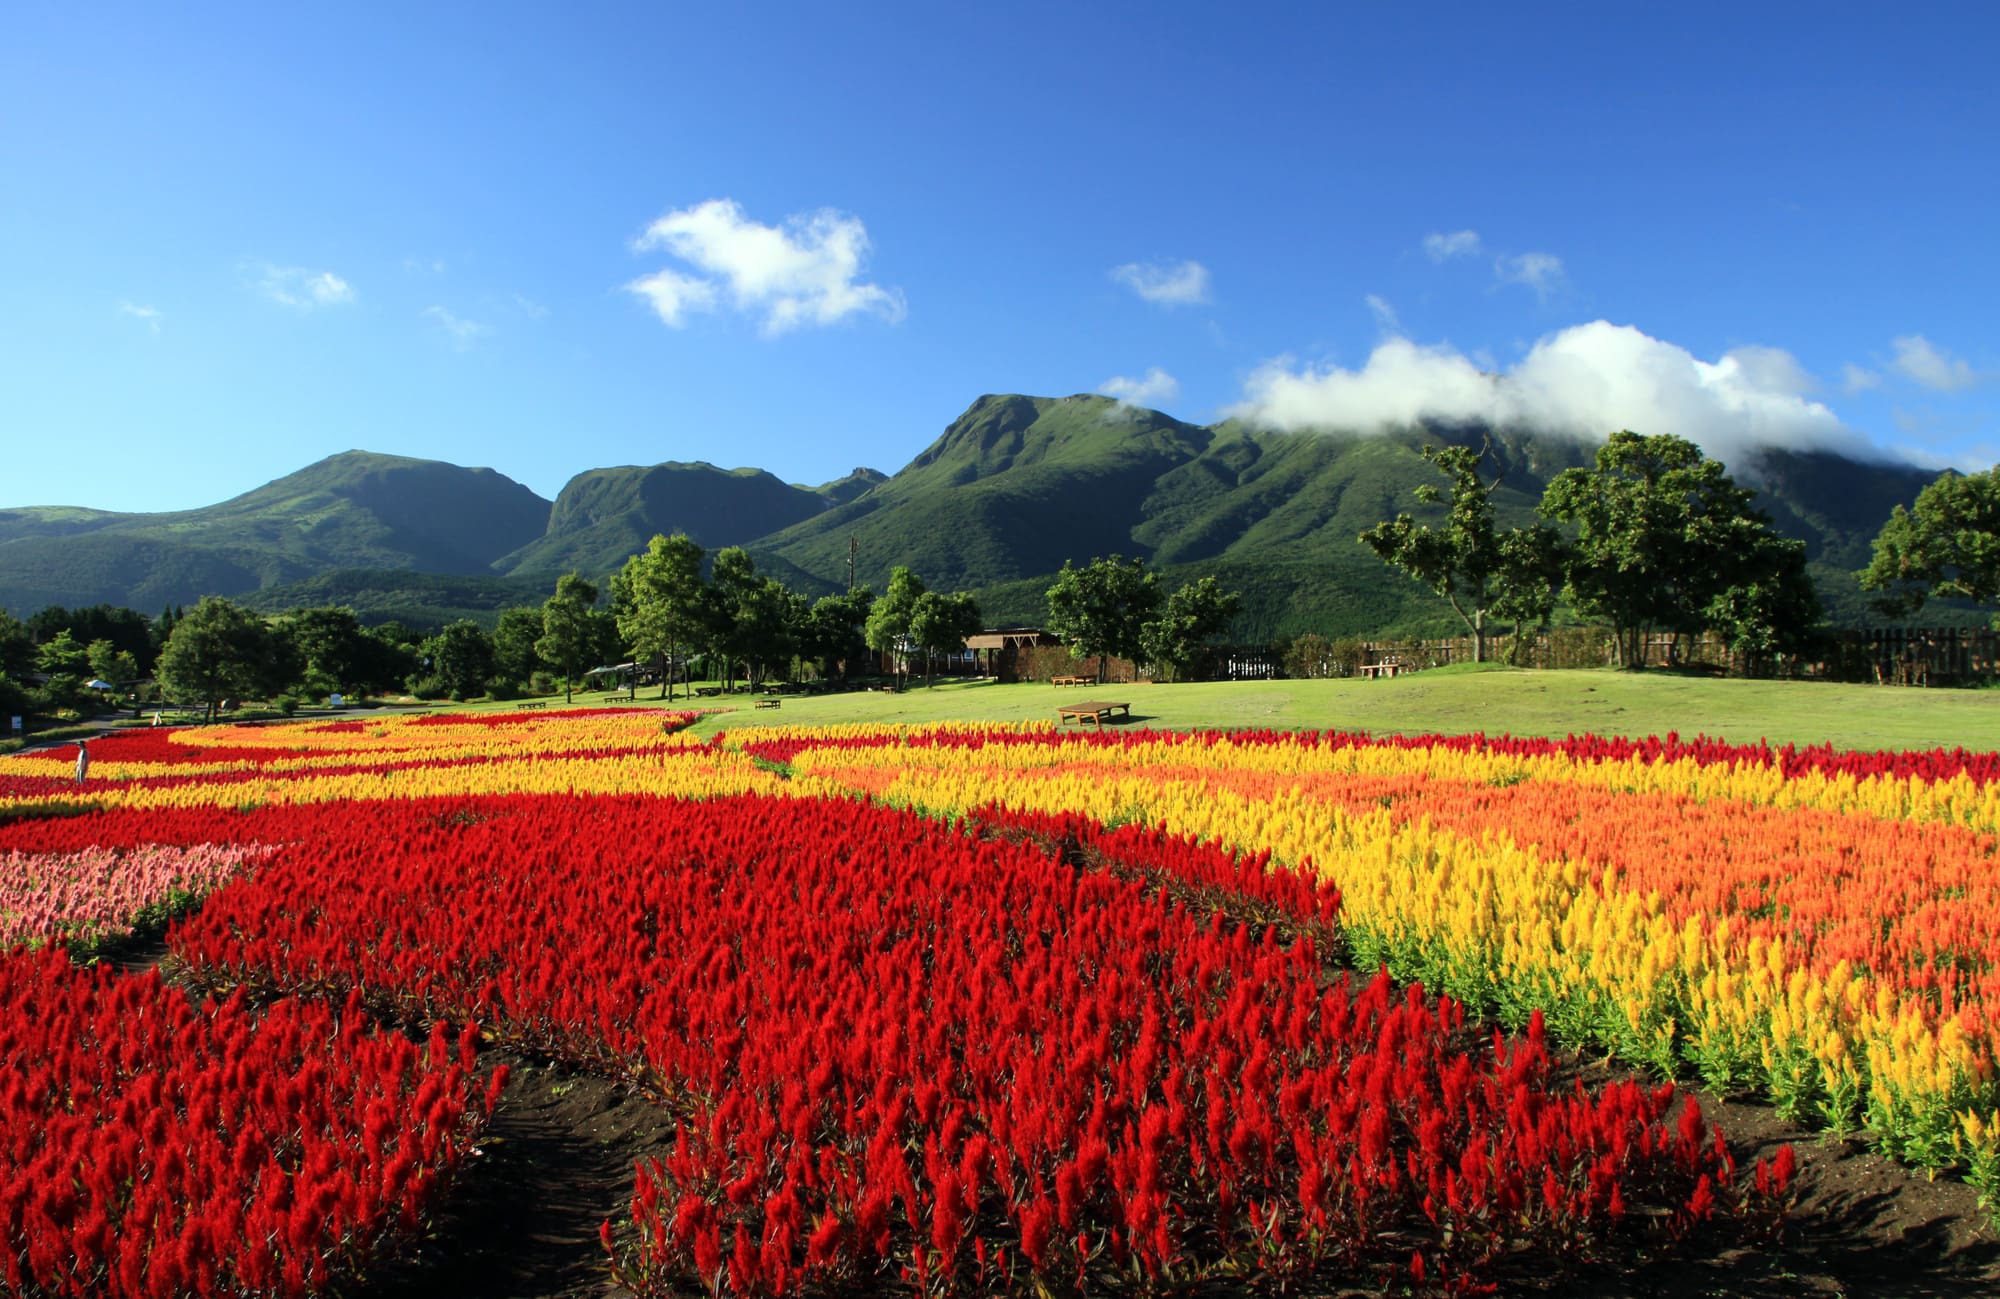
(1446, 700)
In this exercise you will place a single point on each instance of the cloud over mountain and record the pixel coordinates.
(1588, 380)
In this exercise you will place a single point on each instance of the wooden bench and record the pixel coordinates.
(1374, 670)
(1069, 681)
(533, 703)
(769, 701)
(708, 692)
(1090, 712)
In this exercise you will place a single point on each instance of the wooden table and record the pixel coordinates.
(1372, 670)
(1069, 681)
(1094, 711)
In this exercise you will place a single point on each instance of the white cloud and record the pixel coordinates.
(805, 273)
(1588, 380)
(1854, 379)
(1154, 390)
(1459, 243)
(1924, 362)
(1385, 315)
(150, 315)
(462, 332)
(1171, 284)
(295, 286)
(1542, 272)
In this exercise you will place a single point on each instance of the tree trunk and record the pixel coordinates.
(1479, 635)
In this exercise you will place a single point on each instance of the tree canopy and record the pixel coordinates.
(1946, 545)
(664, 602)
(1194, 615)
(1101, 611)
(1662, 534)
(215, 652)
(568, 635)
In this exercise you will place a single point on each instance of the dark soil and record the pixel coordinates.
(522, 1220)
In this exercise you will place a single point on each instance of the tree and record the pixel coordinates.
(939, 624)
(109, 663)
(1773, 614)
(17, 646)
(1101, 610)
(1194, 615)
(888, 627)
(568, 635)
(461, 658)
(1466, 559)
(1661, 533)
(663, 605)
(835, 630)
(1947, 545)
(731, 580)
(514, 635)
(334, 653)
(1533, 563)
(214, 653)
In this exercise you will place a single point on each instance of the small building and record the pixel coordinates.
(999, 650)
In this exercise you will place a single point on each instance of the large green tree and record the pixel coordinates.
(1662, 533)
(514, 635)
(216, 652)
(461, 658)
(888, 629)
(336, 655)
(662, 603)
(1102, 610)
(835, 630)
(1196, 614)
(1946, 545)
(1467, 558)
(940, 624)
(569, 634)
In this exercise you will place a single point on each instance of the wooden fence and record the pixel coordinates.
(1911, 656)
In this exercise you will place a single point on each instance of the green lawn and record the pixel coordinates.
(1448, 700)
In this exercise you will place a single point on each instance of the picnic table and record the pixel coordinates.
(708, 692)
(1069, 681)
(1373, 670)
(1094, 711)
(769, 701)
(533, 703)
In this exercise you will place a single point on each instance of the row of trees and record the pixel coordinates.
(663, 610)
(1114, 609)
(1659, 538)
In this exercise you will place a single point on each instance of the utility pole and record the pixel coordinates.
(853, 548)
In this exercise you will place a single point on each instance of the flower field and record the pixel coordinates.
(974, 1009)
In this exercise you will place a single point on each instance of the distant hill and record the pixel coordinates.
(604, 515)
(1007, 492)
(353, 510)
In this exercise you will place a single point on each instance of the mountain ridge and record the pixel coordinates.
(1007, 492)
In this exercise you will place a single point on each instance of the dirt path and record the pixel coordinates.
(522, 1221)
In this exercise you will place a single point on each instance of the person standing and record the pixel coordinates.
(82, 761)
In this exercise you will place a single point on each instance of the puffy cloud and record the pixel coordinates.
(462, 332)
(806, 272)
(1155, 389)
(295, 286)
(1542, 272)
(1444, 247)
(1588, 380)
(1171, 284)
(1922, 361)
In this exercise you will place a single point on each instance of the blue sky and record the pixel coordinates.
(550, 238)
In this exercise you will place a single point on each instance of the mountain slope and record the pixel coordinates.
(353, 510)
(604, 515)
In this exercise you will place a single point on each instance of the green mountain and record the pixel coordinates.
(604, 515)
(1011, 489)
(353, 510)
